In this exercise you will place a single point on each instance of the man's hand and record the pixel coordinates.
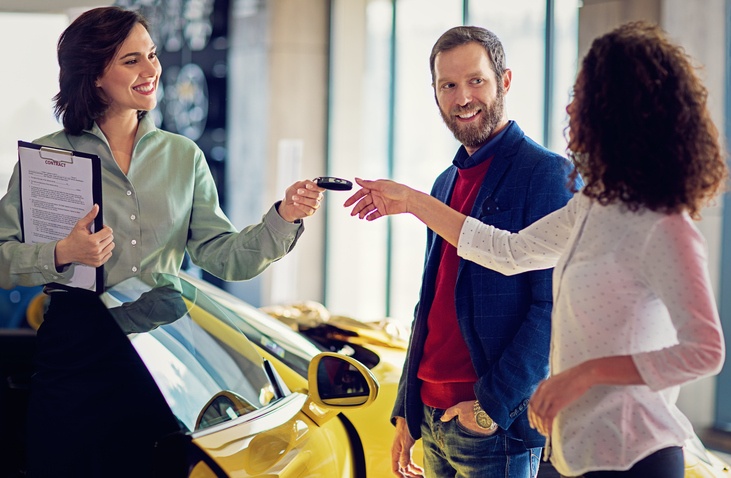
(302, 199)
(402, 464)
(83, 247)
(465, 413)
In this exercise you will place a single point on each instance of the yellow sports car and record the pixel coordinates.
(292, 392)
(251, 396)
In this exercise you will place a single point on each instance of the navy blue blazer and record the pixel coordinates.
(505, 320)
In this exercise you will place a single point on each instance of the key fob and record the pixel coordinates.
(334, 184)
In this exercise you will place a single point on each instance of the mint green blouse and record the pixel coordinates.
(165, 205)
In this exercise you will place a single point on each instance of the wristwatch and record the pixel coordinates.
(482, 419)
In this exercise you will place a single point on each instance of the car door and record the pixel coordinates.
(229, 401)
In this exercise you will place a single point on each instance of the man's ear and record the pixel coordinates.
(507, 79)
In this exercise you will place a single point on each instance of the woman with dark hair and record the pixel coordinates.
(89, 413)
(634, 314)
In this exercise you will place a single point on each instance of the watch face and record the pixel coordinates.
(483, 419)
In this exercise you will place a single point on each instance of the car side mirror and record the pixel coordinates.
(339, 381)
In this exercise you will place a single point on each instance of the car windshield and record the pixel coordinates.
(290, 347)
(195, 350)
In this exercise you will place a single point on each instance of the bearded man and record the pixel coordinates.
(480, 340)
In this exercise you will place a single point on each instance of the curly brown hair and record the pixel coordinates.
(640, 131)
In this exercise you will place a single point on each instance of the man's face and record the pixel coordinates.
(470, 99)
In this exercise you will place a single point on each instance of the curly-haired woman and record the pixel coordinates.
(634, 314)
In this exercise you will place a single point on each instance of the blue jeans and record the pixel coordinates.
(451, 450)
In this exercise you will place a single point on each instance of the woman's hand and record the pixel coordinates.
(552, 396)
(84, 247)
(383, 197)
(561, 390)
(302, 199)
(378, 198)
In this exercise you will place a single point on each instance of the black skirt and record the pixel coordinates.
(94, 410)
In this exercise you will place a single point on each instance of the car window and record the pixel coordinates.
(202, 362)
(290, 347)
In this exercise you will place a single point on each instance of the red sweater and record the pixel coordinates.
(446, 368)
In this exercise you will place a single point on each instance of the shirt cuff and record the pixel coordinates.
(276, 223)
(47, 264)
(652, 377)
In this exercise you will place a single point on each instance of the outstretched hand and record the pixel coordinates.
(378, 198)
(381, 198)
(302, 199)
(84, 247)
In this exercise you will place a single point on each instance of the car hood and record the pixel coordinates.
(381, 344)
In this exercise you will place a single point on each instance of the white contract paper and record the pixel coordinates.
(58, 187)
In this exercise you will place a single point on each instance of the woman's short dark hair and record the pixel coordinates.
(462, 35)
(641, 131)
(85, 49)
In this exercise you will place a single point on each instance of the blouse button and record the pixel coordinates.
(134, 268)
(134, 242)
(133, 217)
(129, 193)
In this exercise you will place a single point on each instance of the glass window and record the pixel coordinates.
(202, 362)
(423, 146)
(521, 26)
(27, 95)
(261, 329)
(565, 66)
(199, 373)
(385, 123)
(359, 145)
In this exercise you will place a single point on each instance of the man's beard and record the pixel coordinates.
(475, 135)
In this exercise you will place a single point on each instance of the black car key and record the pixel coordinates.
(334, 184)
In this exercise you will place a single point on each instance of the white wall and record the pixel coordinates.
(28, 83)
(699, 26)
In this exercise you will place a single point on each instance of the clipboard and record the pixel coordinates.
(57, 188)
